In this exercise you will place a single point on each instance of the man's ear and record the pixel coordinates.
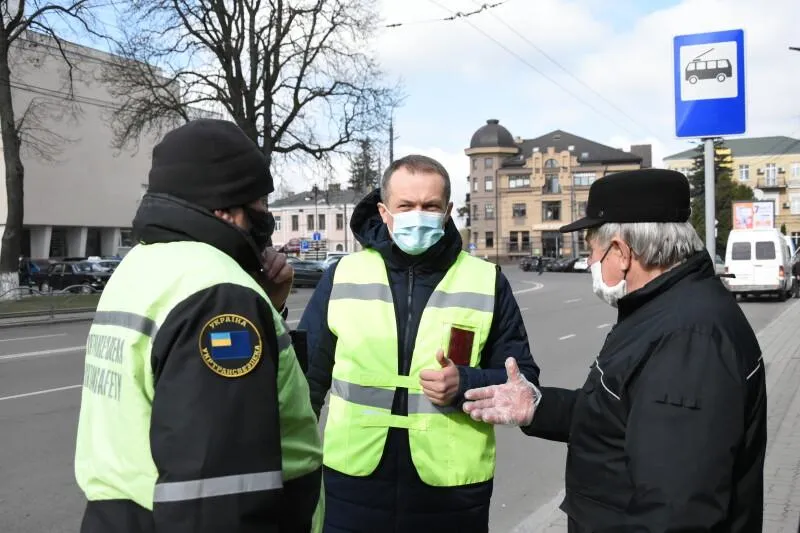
(384, 213)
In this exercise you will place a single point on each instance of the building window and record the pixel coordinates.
(795, 204)
(474, 184)
(519, 211)
(582, 209)
(474, 163)
(771, 172)
(474, 212)
(488, 183)
(475, 238)
(796, 170)
(744, 172)
(490, 239)
(309, 222)
(513, 242)
(525, 241)
(551, 163)
(551, 211)
(551, 184)
(517, 182)
(295, 222)
(339, 221)
(277, 223)
(321, 222)
(488, 211)
(584, 179)
(488, 162)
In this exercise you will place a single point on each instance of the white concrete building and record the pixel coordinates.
(83, 201)
(328, 213)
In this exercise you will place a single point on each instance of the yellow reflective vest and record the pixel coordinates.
(448, 448)
(113, 458)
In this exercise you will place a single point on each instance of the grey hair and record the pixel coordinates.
(655, 244)
(415, 163)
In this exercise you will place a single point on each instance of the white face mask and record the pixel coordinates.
(610, 295)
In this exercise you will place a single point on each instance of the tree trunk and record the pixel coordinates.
(15, 172)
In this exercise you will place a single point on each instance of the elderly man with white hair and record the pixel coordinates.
(668, 434)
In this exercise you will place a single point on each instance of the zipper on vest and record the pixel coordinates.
(407, 348)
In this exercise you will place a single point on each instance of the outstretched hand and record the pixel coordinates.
(512, 403)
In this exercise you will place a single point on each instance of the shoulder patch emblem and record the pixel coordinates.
(230, 345)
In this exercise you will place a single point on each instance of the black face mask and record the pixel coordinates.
(261, 227)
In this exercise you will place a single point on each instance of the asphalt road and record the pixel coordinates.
(41, 368)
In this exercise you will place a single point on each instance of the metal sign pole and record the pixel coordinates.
(710, 190)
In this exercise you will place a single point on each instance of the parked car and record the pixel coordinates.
(528, 264)
(564, 264)
(581, 265)
(80, 276)
(332, 259)
(306, 273)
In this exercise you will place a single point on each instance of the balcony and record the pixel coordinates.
(772, 183)
(552, 188)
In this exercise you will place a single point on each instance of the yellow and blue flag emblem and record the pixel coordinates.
(226, 345)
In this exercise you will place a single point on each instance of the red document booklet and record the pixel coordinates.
(460, 348)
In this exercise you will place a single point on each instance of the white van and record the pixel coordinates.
(760, 260)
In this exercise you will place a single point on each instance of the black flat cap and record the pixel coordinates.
(647, 195)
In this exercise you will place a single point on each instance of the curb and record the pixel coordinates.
(40, 320)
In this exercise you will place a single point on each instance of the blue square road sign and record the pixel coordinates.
(709, 72)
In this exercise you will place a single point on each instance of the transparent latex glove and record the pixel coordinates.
(512, 403)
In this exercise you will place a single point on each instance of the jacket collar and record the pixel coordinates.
(164, 218)
(694, 268)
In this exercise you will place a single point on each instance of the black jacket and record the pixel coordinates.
(668, 434)
(393, 498)
(203, 425)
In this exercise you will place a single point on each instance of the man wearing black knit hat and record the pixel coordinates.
(668, 434)
(195, 414)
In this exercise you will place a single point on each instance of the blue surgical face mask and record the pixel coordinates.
(415, 232)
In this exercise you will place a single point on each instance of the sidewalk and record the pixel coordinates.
(780, 344)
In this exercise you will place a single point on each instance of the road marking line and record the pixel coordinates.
(601, 326)
(536, 287)
(524, 308)
(565, 337)
(33, 337)
(293, 321)
(38, 392)
(572, 301)
(54, 351)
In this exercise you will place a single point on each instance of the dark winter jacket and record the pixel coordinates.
(393, 498)
(668, 434)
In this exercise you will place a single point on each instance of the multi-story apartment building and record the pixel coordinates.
(80, 194)
(523, 190)
(324, 212)
(769, 164)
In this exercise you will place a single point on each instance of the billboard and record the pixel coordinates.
(754, 215)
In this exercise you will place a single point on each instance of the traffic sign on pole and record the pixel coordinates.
(316, 236)
(709, 80)
(304, 245)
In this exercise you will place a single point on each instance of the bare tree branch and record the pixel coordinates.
(40, 22)
(294, 74)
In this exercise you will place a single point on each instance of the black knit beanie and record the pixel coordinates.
(210, 163)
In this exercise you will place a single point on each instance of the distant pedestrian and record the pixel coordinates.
(540, 265)
(668, 434)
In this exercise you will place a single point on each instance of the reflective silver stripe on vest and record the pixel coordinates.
(379, 291)
(217, 486)
(467, 300)
(361, 291)
(284, 341)
(418, 404)
(123, 319)
(363, 395)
